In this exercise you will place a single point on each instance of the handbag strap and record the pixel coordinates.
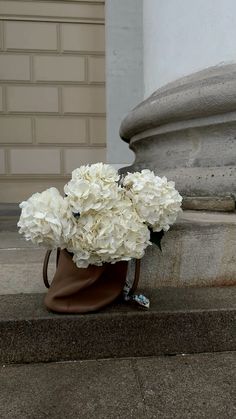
(45, 266)
(129, 294)
(136, 276)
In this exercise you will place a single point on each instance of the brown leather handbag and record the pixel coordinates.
(84, 290)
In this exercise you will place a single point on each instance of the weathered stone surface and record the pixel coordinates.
(9, 216)
(207, 203)
(13, 240)
(93, 389)
(21, 265)
(8, 223)
(179, 321)
(11, 209)
(187, 131)
(199, 250)
(189, 386)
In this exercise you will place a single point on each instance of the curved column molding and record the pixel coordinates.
(186, 130)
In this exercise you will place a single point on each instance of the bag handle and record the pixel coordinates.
(45, 270)
(45, 266)
(136, 276)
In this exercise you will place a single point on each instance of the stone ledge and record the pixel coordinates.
(197, 219)
(179, 321)
(186, 131)
(209, 203)
(202, 94)
(8, 223)
(9, 209)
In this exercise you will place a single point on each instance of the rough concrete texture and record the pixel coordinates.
(186, 320)
(9, 209)
(180, 387)
(206, 203)
(8, 223)
(21, 265)
(186, 131)
(199, 250)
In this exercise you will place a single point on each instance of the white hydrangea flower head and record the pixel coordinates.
(102, 171)
(109, 236)
(92, 187)
(46, 219)
(156, 200)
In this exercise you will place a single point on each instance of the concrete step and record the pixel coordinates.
(9, 216)
(177, 387)
(21, 265)
(199, 250)
(8, 223)
(187, 320)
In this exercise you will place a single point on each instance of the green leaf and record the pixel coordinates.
(156, 237)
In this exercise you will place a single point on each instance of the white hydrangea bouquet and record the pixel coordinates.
(103, 217)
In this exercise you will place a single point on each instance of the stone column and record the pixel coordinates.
(181, 37)
(124, 71)
(186, 130)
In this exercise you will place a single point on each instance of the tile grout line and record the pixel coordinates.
(3, 35)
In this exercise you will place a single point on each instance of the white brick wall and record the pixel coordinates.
(51, 68)
(83, 37)
(1, 100)
(34, 161)
(14, 67)
(57, 10)
(32, 99)
(2, 160)
(96, 68)
(61, 130)
(84, 99)
(15, 129)
(97, 128)
(30, 36)
(75, 157)
(52, 92)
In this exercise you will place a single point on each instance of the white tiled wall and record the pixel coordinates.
(52, 93)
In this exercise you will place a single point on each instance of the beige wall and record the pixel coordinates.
(52, 93)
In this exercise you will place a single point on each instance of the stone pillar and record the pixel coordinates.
(124, 71)
(186, 130)
(181, 37)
